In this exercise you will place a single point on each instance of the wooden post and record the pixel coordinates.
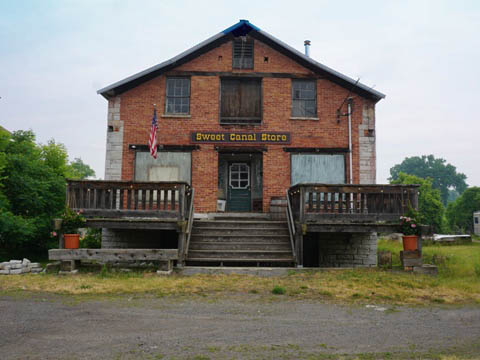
(61, 241)
(181, 248)
(299, 247)
(302, 204)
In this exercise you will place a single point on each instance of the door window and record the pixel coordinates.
(239, 176)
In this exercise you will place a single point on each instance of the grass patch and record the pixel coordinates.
(278, 290)
(343, 286)
(458, 282)
(455, 262)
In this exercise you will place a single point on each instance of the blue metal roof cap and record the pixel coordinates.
(238, 25)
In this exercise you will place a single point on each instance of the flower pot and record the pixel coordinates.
(71, 241)
(410, 242)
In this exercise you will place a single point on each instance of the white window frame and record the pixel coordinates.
(239, 179)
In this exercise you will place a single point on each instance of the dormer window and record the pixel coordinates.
(242, 53)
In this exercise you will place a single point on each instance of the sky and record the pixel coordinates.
(424, 55)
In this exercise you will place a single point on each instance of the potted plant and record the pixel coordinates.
(71, 222)
(410, 231)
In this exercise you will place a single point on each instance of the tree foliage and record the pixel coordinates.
(32, 193)
(460, 212)
(77, 169)
(444, 176)
(430, 208)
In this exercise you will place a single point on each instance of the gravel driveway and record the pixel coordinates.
(55, 327)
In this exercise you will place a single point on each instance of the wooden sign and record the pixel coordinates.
(240, 137)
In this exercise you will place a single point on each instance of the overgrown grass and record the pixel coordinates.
(458, 282)
(344, 286)
(455, 262)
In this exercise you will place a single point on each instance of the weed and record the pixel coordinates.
(278, 290)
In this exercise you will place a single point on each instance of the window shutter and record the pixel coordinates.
(242, 53)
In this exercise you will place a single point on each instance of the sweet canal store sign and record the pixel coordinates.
(240, 137)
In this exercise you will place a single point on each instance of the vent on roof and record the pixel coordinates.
(242, 53)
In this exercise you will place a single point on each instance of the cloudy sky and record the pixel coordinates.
(424, 55)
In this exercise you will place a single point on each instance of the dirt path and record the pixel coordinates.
(46, 327)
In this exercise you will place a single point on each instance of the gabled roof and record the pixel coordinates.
(243, 27)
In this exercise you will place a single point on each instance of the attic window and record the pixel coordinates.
(242, 53)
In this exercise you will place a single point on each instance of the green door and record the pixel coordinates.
(239, 194)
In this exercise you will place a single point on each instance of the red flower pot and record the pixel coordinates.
(71, 241)
(410, 242)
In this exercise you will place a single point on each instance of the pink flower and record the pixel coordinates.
(53, 233)
(414, 226)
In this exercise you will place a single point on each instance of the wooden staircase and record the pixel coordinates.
(229, 241)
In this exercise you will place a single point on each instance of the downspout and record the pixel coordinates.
(349, 109)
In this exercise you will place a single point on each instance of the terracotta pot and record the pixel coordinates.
(71, 241)
(410, 242)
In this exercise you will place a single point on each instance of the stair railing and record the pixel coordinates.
(190, 223)
(291, 225)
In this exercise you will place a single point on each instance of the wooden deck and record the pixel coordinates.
(130, 205)
(326, 208)
(344, 208)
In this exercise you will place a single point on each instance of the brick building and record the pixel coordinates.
(244, 119)
(241, 105)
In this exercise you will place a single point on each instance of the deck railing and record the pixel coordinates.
(129, 198)
(351, 202)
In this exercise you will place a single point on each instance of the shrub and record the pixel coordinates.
(278, 290)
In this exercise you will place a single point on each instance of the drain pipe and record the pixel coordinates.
(349, 109)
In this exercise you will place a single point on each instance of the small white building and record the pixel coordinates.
(476, 223)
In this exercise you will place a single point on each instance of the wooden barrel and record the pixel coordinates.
(278, 206)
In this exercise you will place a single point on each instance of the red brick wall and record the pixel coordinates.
(136, 112)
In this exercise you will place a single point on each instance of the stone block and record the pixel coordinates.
(52, 267)
(15, 262)
(4, 272)
(16, 271)
(2, 264)
(36, 270)
(426, 269)
(34, 265)
(25, 262)
(344, 257)
(16, 266)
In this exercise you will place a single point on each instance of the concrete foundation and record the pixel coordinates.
(340, 250)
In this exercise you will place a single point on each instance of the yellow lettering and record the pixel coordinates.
(232, 137)
(223, 137)
(198, 137)
(284, 137)
(264, 137)
(250, 137)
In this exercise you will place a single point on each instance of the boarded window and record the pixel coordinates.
(241, 101)
(242, 53)
(177, 100)
(318, 168)
(304, 98)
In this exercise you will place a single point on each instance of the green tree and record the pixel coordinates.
(430, 208)
(444, 176)
(78, 170)
(460, 212)
(32, 193)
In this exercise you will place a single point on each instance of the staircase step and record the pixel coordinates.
(240, 238)
(205, 245)
(240, 254)
(240, 224)
(236, 231)
(243, 261)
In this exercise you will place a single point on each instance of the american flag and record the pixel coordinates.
(152, 140)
